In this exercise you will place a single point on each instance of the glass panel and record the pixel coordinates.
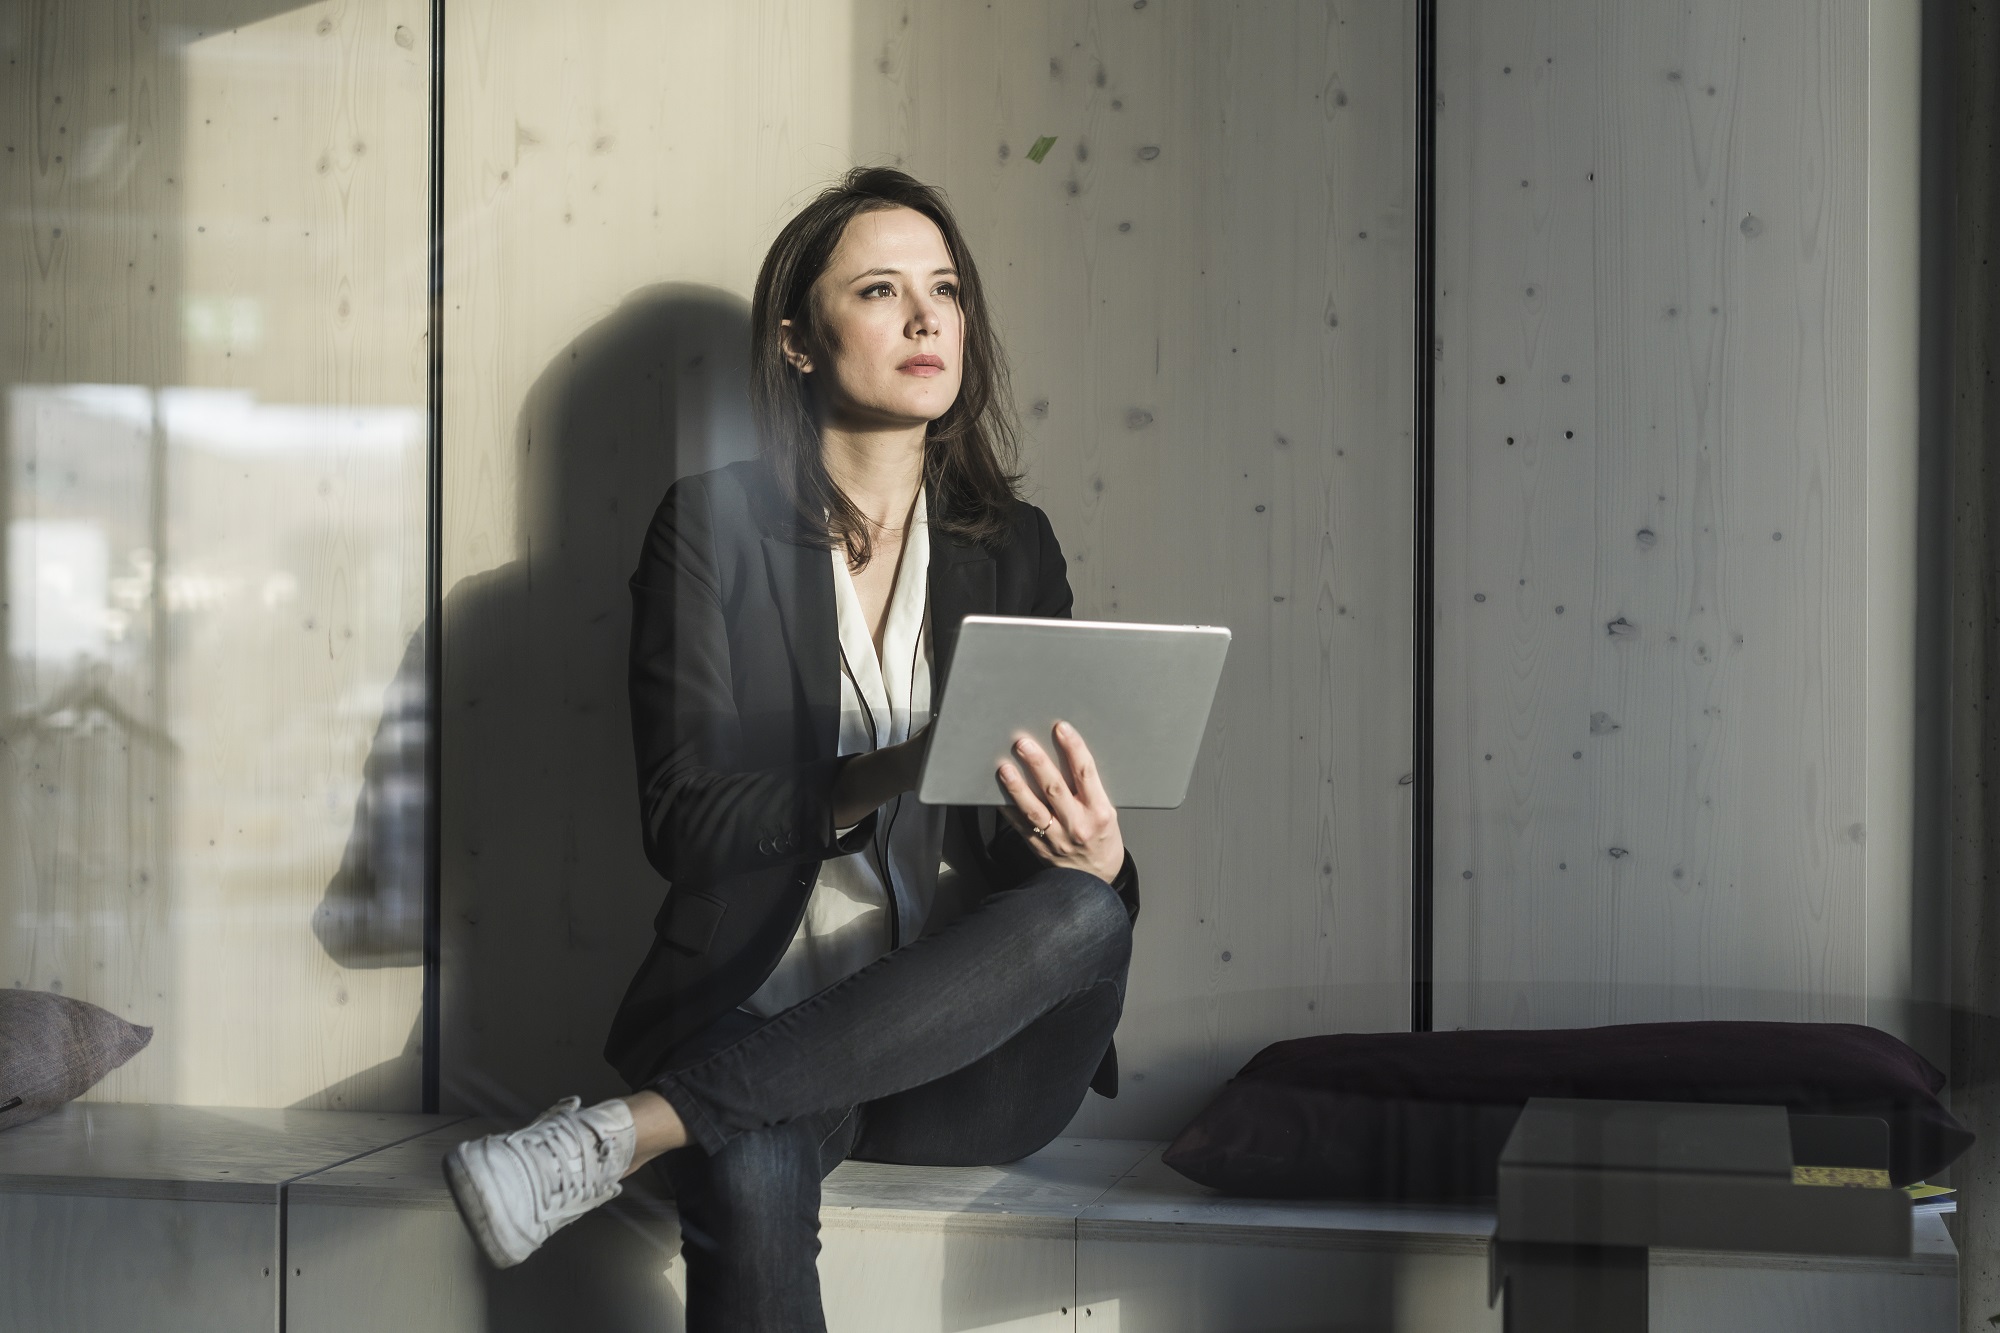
(212, 690)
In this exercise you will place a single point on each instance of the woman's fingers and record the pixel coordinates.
(1041, 793)
(1014, 816)
(1100, 842)
(1050, 782)
(1082, 767)
(1027, 812)
(1020, 789)
(1078, 823)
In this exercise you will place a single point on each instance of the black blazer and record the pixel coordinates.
(736, 722)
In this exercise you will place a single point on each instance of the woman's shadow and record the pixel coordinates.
(547, 897)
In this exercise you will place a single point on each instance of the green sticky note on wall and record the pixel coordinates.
(1041, 148)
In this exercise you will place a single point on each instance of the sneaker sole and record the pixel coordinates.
(473, 1212)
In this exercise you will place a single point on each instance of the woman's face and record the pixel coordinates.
(891, 331)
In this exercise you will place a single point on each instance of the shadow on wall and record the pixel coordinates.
(372, 913)
(548, 899)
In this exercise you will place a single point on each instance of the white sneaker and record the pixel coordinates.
(516, 1190)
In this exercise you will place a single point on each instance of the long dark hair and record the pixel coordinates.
(971, 453)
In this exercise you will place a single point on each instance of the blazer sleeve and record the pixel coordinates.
(704, 814)
(1053, 601)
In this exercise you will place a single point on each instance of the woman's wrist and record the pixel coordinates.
(869, 780)
(851, 789)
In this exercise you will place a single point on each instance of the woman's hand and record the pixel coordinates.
(1065, 815)
(873, 778)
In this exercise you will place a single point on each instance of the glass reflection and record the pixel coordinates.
(211, 690)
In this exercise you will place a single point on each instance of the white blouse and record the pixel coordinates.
(848, 923)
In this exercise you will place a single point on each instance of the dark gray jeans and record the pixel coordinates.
(970, 1047)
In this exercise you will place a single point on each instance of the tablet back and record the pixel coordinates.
(1138, 694)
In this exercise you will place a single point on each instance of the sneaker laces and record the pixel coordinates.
(568, 1156)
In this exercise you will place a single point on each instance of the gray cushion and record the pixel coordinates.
(54, 1049)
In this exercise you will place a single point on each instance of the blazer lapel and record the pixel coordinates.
(802, 588)
(961, 580)
(961, 585)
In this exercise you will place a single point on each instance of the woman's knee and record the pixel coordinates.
(1078, 906)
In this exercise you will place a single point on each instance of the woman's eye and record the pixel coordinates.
(881, 287)
(948, 290)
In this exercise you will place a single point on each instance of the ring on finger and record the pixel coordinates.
(1043, 829)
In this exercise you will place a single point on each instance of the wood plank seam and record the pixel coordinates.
(285, 1205)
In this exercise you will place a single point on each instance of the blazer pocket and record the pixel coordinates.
(691, 921)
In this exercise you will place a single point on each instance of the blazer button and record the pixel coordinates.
(764, 846)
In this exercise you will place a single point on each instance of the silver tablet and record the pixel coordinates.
(1138, 694)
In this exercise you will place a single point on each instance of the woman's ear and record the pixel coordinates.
(788, 339)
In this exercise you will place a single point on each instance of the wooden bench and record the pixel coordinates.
(166, 1218)
(162, 1218)
(1085, 1235)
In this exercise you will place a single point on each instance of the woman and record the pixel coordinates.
(838, 970)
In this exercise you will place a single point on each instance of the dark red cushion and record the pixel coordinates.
(1423, 1115)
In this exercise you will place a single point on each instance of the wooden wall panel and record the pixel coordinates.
(613, 174)
(217, 242)
(1670, 520)
(1204, 288)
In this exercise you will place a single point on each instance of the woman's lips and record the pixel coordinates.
(923, 366)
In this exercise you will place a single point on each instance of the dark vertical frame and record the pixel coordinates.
(434, 578)
(1424, 617)
(1939, 104)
